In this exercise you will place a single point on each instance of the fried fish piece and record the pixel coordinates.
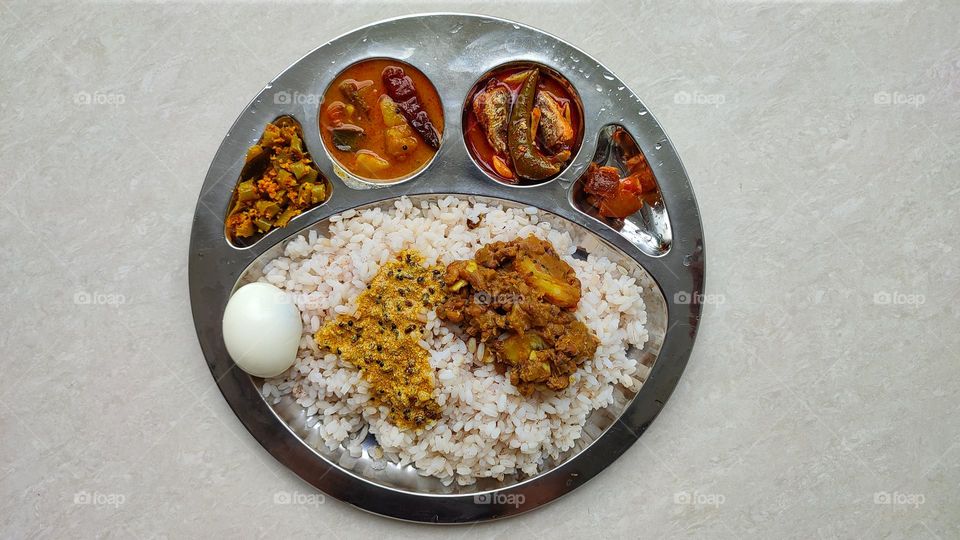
(555, 126)
(492, 109)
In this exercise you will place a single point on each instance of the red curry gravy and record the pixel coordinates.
(512, 78)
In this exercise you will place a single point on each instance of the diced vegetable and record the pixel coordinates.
(602, 181)
(370, 162)
(318, 193)
(296, 143)
(391, 115)
(285, 216)
(299, 169)
(262, 224)
(337, 113)
(353, 91)
(620, 205)
(347, 137)
(554, 288)
(254, 152)
(311, 176)
(284, 178)
(246, 191)
(267, 208)
(271, 136)
(517, 348)
(244, 229)
(304, 195)
(400, 141)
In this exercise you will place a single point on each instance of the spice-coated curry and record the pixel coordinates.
(382, 339)
(518, 297)
(278, 182)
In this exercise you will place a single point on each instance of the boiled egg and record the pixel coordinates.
(261, 329)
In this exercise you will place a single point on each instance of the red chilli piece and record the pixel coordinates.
(400, 88)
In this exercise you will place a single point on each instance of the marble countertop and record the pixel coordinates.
(821, 401)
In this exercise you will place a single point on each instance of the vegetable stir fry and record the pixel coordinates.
(278, 182)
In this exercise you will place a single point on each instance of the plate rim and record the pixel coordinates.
(200, 246)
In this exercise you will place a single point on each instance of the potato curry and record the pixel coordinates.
(518, 297)
(381, 120)
(382, 339)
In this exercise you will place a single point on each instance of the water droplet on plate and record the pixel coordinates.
(608, 76)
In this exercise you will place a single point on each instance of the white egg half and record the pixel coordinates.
(261, 329)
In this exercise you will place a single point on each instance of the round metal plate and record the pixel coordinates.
(454, 50)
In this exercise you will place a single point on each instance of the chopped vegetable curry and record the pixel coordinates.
(382, 338)
(381, 119)
(278, 182)
(518, 297)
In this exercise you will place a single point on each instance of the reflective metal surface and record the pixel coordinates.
(453, 51)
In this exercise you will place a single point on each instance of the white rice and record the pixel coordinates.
(487, 429)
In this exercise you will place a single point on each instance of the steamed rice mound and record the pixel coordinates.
(487, 428)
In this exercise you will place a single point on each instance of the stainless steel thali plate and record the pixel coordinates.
(662, 245)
